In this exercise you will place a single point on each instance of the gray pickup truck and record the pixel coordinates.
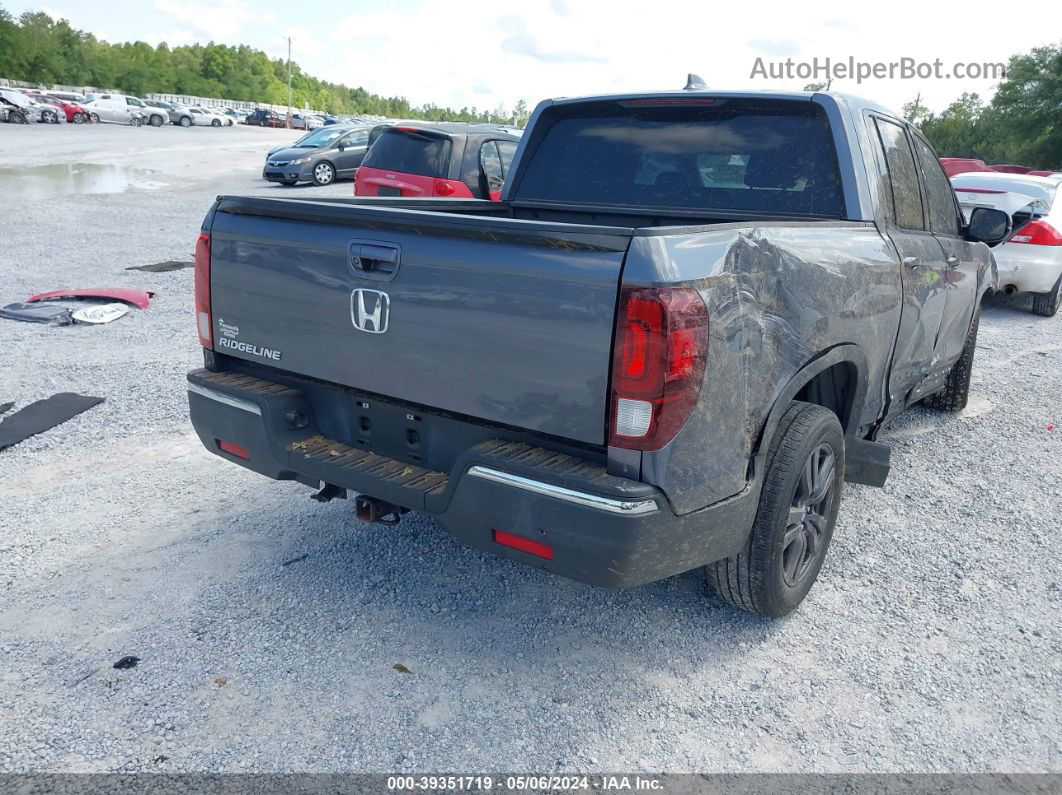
(666, 347)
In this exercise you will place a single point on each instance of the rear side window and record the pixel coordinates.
(943, 219)
(768, 156)
(906, 198)
(507, 150)
(410, 151)
(491, 165)
(357, 138)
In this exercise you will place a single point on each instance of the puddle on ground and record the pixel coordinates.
(64, 179)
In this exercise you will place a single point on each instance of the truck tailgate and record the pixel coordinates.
(508, 321)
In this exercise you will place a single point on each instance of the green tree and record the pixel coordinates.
(1027, 107)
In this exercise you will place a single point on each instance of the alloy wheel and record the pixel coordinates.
(803, 541)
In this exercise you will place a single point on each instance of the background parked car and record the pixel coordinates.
(24, 109)
(121, 108)
(204, 117)
(323, 156)
(75, 98)
(305, 121)
(1030, 261)
(265, 118)
(74, 112)
(455, 159)
(177, 114)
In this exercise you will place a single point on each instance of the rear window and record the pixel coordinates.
(762, 156)
(410, 152)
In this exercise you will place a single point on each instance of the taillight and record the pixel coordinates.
(203, 321)
(443, 188)
(657, 364)
(1037, 233)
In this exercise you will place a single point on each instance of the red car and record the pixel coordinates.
(74, 113)
(1008, 168)
(452, 160)
(963, 165)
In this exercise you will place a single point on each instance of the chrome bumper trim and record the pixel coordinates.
(629, 507)
(228, 400)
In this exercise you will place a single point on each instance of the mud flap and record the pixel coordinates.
(866, 462)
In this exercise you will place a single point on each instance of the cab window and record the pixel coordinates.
(903, 174)
(943, 219)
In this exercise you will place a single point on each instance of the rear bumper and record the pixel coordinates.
(599, 528)
(1031, 269)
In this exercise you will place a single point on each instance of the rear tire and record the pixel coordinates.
(156, 120)
(79, 118)
(795, 518)
(1047, 304)
(215, 123)
(49, 118)
(956, 391)
(186, 121)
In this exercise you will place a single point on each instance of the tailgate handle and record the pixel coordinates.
(376, 260)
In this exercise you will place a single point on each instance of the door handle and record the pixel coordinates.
(910, 262)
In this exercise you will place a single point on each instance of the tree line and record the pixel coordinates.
(1021, 125)
(36, 48)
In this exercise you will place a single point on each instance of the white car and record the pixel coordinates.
(202, 117)
(1030, 260)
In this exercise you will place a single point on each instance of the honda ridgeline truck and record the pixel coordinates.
(667, 347)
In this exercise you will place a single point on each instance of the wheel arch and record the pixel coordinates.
(836, 379)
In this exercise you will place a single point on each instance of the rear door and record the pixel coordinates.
(961, 268)
(923, 269)
(354, 145)
(498, 319)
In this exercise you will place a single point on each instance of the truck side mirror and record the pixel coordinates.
(988, 225)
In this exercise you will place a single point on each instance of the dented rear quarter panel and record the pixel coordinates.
(779, 296)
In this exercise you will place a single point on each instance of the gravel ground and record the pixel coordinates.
(268, 625)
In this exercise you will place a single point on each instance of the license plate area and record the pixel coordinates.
(383, 190)
(389, 430)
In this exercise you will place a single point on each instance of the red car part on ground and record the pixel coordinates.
(138, 298)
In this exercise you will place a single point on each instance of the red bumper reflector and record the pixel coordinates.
(233, 449)
(523, 544)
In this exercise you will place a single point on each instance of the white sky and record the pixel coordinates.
(488, 52)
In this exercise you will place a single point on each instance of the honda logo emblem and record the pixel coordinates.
(370, 310)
